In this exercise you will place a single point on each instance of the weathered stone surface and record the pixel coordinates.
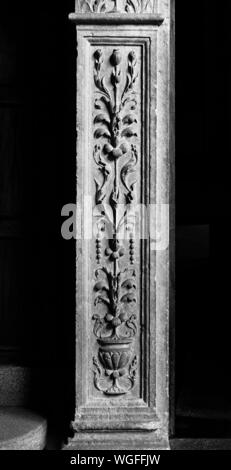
(122, 287)
(118, 441)
(14, 385)
(115, 6)
(21, 429)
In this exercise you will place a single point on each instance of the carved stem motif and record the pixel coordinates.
(115, 289)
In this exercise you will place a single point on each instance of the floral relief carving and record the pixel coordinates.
(115, 155)
(138, 6)
(115, 6)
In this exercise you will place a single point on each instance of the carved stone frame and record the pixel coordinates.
(141, 420)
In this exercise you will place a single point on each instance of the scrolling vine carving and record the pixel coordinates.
(115, 131)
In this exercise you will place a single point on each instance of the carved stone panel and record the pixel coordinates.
(122, 160)
(116, 143)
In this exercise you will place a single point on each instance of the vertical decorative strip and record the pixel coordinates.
(122, 283)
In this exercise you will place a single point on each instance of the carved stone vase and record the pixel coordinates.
(114, 357)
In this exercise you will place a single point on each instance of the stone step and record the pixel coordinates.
(14, 385)
(21, 429)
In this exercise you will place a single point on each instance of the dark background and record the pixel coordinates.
(37, 177)
(202, 218)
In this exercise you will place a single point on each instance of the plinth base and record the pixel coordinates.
(118, 441)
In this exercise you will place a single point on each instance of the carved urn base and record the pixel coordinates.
(114, 355)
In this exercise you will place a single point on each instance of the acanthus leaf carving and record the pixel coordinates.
(115, 6)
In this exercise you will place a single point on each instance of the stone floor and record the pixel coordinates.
(21, 429)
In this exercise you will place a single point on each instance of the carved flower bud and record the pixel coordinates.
(115, 57)
(124, 148)
(115, 255)
(132, 56)
(107, 148)
(123, 317)
(116, 153)
(109, 317)
(116, 322)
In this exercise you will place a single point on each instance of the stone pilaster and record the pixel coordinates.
(122, 263)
